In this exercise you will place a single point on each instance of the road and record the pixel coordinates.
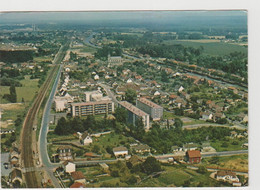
(109, 93)
(42, 142)
(194, 126)
(225, 153)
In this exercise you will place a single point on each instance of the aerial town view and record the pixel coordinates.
(124, 99)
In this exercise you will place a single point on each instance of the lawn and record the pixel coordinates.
(218, 145)
(53, 137)
(175, 176)
(88, 49)
(210, 48)
(113, 140)
(42, 59)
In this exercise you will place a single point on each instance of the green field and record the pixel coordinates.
(175, 176)
(88, 49)
(211, 48)
(218, 145)
(236, 162)
(27, 91)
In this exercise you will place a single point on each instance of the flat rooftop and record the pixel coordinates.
(132, 108)
(149, 103)
(91, 103)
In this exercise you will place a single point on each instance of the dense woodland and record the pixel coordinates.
(16, 56)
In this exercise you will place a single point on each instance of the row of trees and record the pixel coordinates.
(12, 97)
(16, 56)
(90, 124)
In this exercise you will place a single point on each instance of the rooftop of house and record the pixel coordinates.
(77, 185)
(77, 175)
(85, 134)
(16, 173)
(149, 103)
(193, 153)
(118, 149)
(132, 108)
(135, 160)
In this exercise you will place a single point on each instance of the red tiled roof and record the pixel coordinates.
(173, 96)
(194, 153)
(77, 185)
(77, 175)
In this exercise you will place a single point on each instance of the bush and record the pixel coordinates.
(202, 170)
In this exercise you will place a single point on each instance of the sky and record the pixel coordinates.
(136, 16)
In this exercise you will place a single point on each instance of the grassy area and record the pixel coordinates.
(53, 137)
(218, 145)
(42, 59)
(112, 140)
(236, 162)
(88, 49)
(175, 176)
(211, 48)
(11, 111)
(27, 91)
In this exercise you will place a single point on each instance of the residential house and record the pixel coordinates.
(218, 115)
(180, 102)
(227, 176)
(176, 149)
(129, 80)
(142, 148)
(69, 167)
(65, 153)
(77, 185)
(78, 176)
(190, 146)
(14, 158)
(96, 77)
(86, 139)
(206, 115)
(156, 93)
(205, 147)
(135, 160)
(193, 156)
(120, 151)
(180, 89)
(16, 178)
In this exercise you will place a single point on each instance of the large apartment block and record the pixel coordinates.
(135, 113)
(155, 111)
(92, 108)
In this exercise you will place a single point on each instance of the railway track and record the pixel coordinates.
(27, 152)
